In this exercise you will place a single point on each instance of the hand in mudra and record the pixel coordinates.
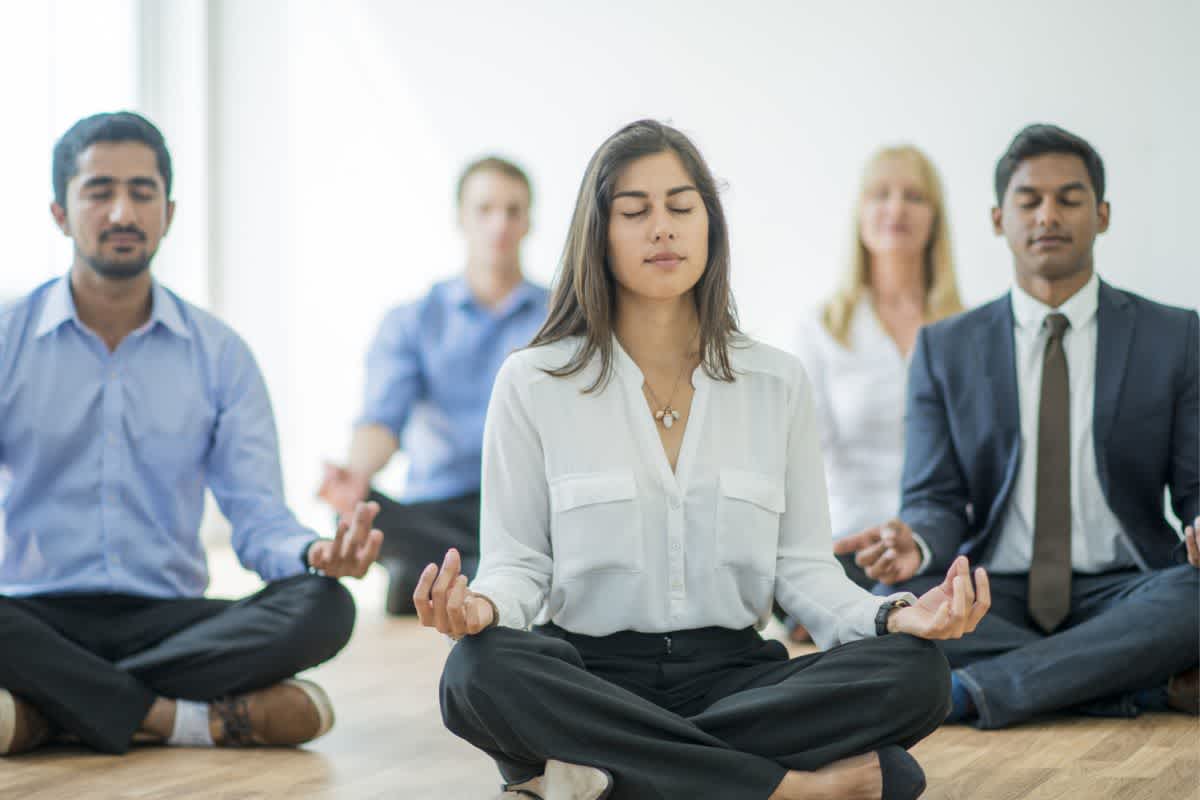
(445, 602)
(949, 610)
(888, 553)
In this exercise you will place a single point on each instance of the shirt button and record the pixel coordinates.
(675, 547)
(674, 502)
(676, 586)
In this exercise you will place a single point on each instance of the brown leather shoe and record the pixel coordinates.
(1183, 692)
(287, 714)
(22, 727)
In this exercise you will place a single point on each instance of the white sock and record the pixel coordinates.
(191, 725)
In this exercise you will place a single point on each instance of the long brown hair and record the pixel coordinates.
(583, 302)
(941, 288)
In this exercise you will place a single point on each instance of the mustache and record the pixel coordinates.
(128, 229)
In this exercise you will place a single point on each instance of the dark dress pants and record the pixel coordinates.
(703, 713)
(417, 534)
(94, 663)
(1126, 631)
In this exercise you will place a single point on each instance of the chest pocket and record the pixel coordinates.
(749, 505)
(595, 523)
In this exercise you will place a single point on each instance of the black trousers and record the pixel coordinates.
(704, 713)
(93, 664)
(416, 534)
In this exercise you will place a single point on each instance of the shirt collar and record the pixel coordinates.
(458, 292)
(1029, 312)
(60, 307)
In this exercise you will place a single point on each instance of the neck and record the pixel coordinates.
(658, 334)
(898, 280)
(111, 308)
(492, 282)
(1054, 292)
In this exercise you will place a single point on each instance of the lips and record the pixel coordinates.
(1051, 240)
(665, 259)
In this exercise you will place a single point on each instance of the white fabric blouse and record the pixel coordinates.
(582, 514)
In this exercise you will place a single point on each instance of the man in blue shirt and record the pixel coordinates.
(429, 377)
(119, 404)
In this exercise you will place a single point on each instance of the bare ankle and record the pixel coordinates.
(160, 719)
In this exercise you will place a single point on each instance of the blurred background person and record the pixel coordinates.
(856, 346)
(430, 372)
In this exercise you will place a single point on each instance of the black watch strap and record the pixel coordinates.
(881, 616)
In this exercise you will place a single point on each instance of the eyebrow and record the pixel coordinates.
(645, 196)
(1074, 186)
(107, 180)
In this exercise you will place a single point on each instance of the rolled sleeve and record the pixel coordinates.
(394, 378)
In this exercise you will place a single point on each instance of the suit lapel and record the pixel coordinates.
(1114, 334)
(994, 340)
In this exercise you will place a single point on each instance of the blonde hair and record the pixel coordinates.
(941, 288)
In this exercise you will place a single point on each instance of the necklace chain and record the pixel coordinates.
(666, 415)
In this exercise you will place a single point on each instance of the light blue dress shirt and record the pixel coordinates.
(110, 452)
(430, 372)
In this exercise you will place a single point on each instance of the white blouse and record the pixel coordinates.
(859, 397)
(582, 513)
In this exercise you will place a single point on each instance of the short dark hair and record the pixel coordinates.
(1042, 138)
(119, 126)
(492, 164)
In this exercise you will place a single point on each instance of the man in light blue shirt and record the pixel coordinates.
(430, 372)
(119, 404)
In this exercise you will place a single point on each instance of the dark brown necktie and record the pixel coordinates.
(1050, 570)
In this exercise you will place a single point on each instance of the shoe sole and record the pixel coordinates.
(320, 700)
(8, 720)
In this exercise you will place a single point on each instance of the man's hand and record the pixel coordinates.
(444, 602)
(343, 488)
(354, 547)
(947, 611)
(1193, 547)
(888, 552)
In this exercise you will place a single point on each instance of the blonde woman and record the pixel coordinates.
(856, 347)
(651, 478)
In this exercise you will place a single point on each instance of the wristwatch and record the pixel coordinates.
(881, 616)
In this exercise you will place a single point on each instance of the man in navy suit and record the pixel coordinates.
(1042, 430)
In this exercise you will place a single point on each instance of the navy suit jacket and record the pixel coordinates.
(963, 428)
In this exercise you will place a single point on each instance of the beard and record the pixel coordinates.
(125, 269)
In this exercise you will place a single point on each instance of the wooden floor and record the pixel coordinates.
(389, 743)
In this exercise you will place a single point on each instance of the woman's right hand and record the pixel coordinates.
(445, 602)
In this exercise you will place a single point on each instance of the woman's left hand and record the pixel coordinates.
(947, 611)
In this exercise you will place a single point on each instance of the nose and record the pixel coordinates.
(121, 211)
(1049, 214)
(663, 228)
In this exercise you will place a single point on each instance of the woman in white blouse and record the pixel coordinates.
(652, 480)
(855, 349)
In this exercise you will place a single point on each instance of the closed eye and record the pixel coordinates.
(683, 210)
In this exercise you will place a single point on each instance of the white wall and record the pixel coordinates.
(341, 128)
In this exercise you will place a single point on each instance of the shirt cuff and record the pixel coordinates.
(508, 614)
(926, 553)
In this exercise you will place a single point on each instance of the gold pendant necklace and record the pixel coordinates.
(666, 416)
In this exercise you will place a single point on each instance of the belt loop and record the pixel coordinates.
(667, 639)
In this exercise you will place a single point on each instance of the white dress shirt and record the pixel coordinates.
(581, 511)
(1096, 536)
(859, 398)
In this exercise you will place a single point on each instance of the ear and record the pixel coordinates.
(997, 220)
(60, 218)
(170, 216)
(1103, 212)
